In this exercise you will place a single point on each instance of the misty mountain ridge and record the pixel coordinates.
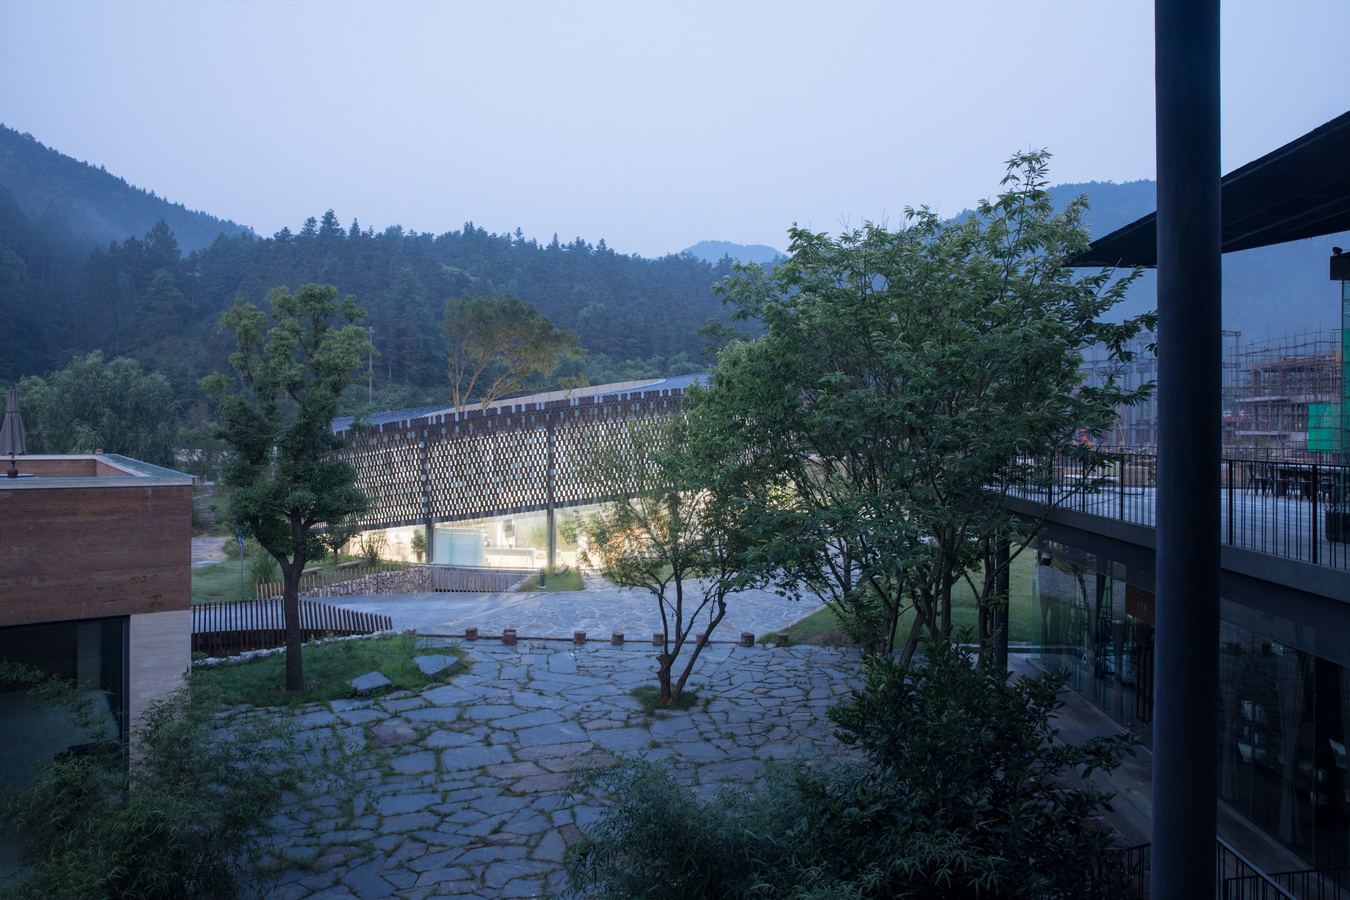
(86, 206)
(158, 297)
(715, 251)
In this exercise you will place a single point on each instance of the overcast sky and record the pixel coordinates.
(651, 125)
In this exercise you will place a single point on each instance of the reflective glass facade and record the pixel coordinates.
(1284, 716)
(89, 653)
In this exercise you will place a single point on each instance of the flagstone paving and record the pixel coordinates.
(600, 610)
(471, 795)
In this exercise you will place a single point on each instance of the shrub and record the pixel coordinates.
(964, 794)
(185, 818)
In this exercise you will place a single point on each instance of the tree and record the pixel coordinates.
(96, 404)
(905, 382)
(498, 345)
(287, 486)
(965, 792)
(673, 538)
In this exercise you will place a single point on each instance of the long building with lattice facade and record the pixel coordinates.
(498, 486)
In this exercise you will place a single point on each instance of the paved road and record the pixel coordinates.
(471, 797)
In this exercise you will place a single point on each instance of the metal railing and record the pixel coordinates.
(1295, 510)
(1239, 879)
(1235, 877)
(1316, 884)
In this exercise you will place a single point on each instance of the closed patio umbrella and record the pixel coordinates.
(11, 434)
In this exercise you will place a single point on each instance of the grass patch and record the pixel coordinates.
(648, 694)
(219, 582)
(822, 627)
(568, 580)
(328, 668)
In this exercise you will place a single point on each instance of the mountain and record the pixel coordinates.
(86, 206)
(714, 251)
(1267, 293)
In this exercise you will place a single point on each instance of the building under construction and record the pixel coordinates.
(1287, 398)
(1282, 397)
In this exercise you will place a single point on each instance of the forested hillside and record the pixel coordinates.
(143, 297)
(88, 262)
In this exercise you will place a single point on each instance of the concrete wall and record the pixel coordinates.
(158, 654)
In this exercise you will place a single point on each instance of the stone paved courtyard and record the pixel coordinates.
(470, 799)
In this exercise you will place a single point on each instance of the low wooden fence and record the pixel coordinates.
(227, 629)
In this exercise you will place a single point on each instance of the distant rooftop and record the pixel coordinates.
(677, 383)
(88, 470)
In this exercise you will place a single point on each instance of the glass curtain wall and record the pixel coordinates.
(518, 541)
(91, 654)
(1099, 628)
(1285, 712)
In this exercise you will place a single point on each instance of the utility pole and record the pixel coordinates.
(370, 365)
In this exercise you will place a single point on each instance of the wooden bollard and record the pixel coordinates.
(747, 639)
(470, 634)
(616, 638)
(658, 639)
(508, 635)
(578, 637)
(781, 640)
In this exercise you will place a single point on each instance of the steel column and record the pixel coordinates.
(1186, 693)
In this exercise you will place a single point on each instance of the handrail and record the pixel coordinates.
(1291, 509)
(1249, 882)
(1235, 876)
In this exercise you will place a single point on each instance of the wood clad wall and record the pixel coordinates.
(77, 553)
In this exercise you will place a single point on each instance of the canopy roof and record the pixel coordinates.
(1301, 190)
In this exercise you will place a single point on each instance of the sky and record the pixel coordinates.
(650, 125)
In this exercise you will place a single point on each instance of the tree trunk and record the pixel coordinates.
(663, 662)
(698, 648)
(290, 609)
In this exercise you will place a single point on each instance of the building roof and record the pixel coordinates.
(1301, 190)
(677, 383)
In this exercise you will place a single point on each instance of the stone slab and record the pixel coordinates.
(371, 681)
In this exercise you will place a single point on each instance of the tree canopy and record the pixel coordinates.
(499, 346)
(286, 484)
(97, 404)
(905, 381)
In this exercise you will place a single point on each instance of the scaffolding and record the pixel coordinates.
(1287, 398)
(1282, 398)
(1136, 426)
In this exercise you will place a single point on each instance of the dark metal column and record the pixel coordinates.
(424, 475)
(1186, 692)
(551, 499)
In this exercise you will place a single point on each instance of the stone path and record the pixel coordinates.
(209, 549)
(597, 611)
(471, 797)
